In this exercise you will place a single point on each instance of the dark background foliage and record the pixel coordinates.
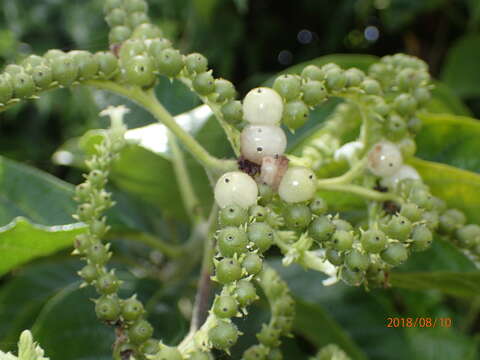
(247, 42)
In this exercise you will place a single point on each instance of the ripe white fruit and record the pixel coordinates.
(259, 141)
(236, 188)
(404, 172)
(297, 185)
(384, 159)
(263, 106)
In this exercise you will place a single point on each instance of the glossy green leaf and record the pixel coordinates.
(21, 241)
(464, 284)
(444, 100)
(450, 139)
(460, 71)
(459, 188)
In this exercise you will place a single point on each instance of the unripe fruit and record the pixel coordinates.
(354, 77)
(107, 308)
(399, 227)
(116, 17)
(411, 211)
(295, 114)
(232, 240)
(313, 72)
(384, 159)
(236, 188)
(232, 111)
(108, 64)
(252, 264)
(262, 106)
(225, 306)
(255, 352)
(139, 71)
(298, 184)
(373, 241)
(132, 48)
(196, 63)
(318, 206)
(422, 95)
(140, 331)
(351, 277)
(135, 6)
(32, 61)
(357, 261)
(469, 235)
(53, 54)
(144, 30)
(89, 273)
(341, 224)
(261, 234)
(265, 193)
(14, 69)
(168, 353)
(259, 141)
(371, 87)
(156, 46)
(395, 127)
(452, 219)
(258, 213)
(421, 237)
(64, 70)
(204, 83)
(110, 5)
(119, 34)
(297, 216)
(150, 347)
(405, 104)
(169, 62)
(342, 240)
(335, 257)
(228, 270)
(98, 254)
(233, 215)
(224, 90)
(335, 79)
(6, 88)
(245, 292)
(223, 336)
(269, 336)
(107, 284)
(414, 125)
(42, 76)
(132, 309)
(395, 254)
(313, 92)
(198, 355)
(23, 85)
(288, 86)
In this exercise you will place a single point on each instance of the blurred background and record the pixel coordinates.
(247, 42)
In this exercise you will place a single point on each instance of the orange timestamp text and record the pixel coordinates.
(418, 322)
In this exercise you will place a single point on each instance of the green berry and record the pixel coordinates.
(98, 254)
(252, 264)
(107, 284)
(313, 72)
(198, 355)
(318, 206)
(295, 114)
(373, 241)
(275, 354)
(225, 306)
(233, 215)
(245, 292)
(23, 85)
(357, 261)
(469, 235)
(408, 147)
(421, 237)
(6, 88)
(228, 270)
(119, 34)
(313, 92)
(405, 104)
(136, 20)
(140, 331)
(396, 127)
(86, 64)
(144, 30)
(351, 277)
(232, 240)
(297, 216)
(196, 63)
(395, 254)
(169, 62)
(422, 95)
(14, 69)
(399, 227)
(335, 79)
(262, 235)
(42, 76)
(342, 240)
(265, 193)
(132, 309)
(341, 224)
(414, 125)
(139, 71)
(64, 69)
(288, 86)
(150, 347)
(53, 54)
(157, 46)
(107, 308)
(431, 219)
(335, 257)
(116, 17)
(411, 211)
(204, 83)
(354, 77)
(89, 273)
(224, 90)
(421, 197)
(224, 335)
(438, 204)
(135, 6)
(371, 87)
(110, 5)
(107, 63)
(268, 336)
(258, 213)
(232, 111)
(321, 229)
(452, 219)
(255, 352)
(32, 61)
(132, 48)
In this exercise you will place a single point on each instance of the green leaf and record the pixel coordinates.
(461, 66)
(444, 100)
(450, 139)
(21, 241)
(459, 188)
(463, 284)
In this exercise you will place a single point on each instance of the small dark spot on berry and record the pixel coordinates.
(259, 149)
(227, 180)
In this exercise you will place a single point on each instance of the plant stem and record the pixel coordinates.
(149, 101)
(346, 178)
(151, 241)
(360, 191)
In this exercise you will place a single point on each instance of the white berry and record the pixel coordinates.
(348, 151)
(297, 185)
(263, 106)
(236, 188)
(404, 172)
(384, 159)
(258, 141)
